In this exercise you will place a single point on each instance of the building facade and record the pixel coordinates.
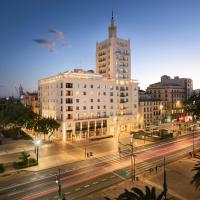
(31, 100)
(152, 111)
(89, 104)
(113, 58)
(173, 91)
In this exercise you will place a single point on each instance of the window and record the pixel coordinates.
(84, 107)
(61, 101)
(77, 107)
(91, 100)
(104, 107)
(85, 86)
(69, 100)
(98, 86)
(98, 100)
(69, 93)
(61, 93)
(84, 93)
(111, 100)
(111, 94)
(69, 116)
(69, 85)
(69, 108)
(61, 85)
(77, 100)
(98, 107)
(91, 107)
(104, 93)
(91, 86)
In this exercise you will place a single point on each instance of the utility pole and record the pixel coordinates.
(133, 167)
(165, 183)
(193, 144)
(86, 145)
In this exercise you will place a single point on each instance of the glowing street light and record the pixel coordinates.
(37, 144)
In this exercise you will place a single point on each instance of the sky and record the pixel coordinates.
(43, 38)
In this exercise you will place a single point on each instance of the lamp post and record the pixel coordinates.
(37, 144)
(59, 184)
(133, 167)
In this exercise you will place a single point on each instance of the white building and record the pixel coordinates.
(90, 104)
(113, 58)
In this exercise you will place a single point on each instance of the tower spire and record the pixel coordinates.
(112, 28)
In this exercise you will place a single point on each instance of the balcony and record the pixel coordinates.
(89, 118)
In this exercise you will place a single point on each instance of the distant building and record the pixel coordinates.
(152, 111)
(30, 100)
(173, 91)
(89, 104)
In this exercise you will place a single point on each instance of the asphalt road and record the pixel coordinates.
(81, 178)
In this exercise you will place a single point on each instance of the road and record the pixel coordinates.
(81, 178)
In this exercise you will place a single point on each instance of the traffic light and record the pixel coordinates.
(126, 173)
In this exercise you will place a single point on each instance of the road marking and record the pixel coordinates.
(112, 176)
(67, 193)
(14, 193)
(77, 189)
(119, 176)
(104, 179)
(94, 183)
(86, 186)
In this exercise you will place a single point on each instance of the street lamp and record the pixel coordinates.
(37, 144)
(59, 184)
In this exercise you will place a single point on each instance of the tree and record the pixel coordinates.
(53, 125)
(16, 115)
(196, 177)
(24, 157)
(138, 194)
(192, 105)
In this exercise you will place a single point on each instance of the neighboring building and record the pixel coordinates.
(89, 104)
(113, 56)
(30, 100)
(152, 111)
(174, 91)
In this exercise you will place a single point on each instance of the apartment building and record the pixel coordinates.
(30, 100)
(89, 104)
(152, 111)
(174, 91)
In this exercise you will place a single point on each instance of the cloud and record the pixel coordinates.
(65, 45)
(2, 86)
(59, 35)
(46, 43)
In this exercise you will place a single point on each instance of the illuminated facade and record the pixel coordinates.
(89, 104)
(152, 111)
(113, 58)
(173, 91)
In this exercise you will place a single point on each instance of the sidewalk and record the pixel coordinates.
(19, 146)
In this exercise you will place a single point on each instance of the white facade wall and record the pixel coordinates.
(90, 98)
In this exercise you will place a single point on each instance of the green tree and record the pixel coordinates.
(53, 125)
(24, 157)
(196, 177)
(192, 105)
(138, 194)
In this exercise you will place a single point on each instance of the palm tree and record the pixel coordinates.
(196, 177)
(24, 157)
(138, 194)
